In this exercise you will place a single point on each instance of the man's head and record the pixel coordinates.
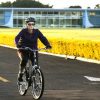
(30, 19)
(30, 22)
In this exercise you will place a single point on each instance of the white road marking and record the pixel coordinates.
(92, 78)
(3, 79)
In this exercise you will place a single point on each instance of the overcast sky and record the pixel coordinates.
(67, 3)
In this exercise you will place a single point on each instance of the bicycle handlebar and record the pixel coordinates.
(28, 48)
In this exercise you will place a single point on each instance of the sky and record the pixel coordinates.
(67, 3)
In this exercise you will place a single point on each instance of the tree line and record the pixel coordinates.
(33, 4)
(25, 4)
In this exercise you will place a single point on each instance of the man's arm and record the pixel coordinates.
(18, 38)
(44, 40)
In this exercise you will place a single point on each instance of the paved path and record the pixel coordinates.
(64, 79)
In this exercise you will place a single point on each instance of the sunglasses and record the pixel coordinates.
(30, 24)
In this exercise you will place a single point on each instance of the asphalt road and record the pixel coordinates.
(64, 79)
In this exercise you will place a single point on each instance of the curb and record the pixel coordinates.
(63, 56)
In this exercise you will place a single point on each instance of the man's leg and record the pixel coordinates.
(23, 61)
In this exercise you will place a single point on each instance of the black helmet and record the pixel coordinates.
(30, 19)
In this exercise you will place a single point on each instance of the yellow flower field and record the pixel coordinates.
(77, 42)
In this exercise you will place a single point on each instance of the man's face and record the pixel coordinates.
(30, 25)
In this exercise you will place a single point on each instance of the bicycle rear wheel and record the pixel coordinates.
(37, 84)
(23, 85)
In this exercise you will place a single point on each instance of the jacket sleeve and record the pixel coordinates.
(18, 37)
(43, 39)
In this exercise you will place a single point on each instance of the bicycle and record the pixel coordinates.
(32, 76)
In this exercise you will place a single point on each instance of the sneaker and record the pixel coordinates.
(20, 77)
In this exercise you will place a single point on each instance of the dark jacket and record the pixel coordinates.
(25, 39)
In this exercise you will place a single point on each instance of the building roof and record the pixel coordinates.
(49, 9)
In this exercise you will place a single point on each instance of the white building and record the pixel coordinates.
(50, 18)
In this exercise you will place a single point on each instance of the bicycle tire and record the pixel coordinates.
(23, 85)
(41, 79)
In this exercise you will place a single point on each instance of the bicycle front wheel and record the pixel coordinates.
(37, 84)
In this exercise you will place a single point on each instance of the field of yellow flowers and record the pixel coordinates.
(78, 42)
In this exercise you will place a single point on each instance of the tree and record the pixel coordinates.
(97, 6)
(25, 4)
(75, 7)
(7, 4)
(25, 0)
(88, 7)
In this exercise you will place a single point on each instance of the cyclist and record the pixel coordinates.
(28, 37)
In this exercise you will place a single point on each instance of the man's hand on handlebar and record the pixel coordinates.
(28, 48)
(48, 47)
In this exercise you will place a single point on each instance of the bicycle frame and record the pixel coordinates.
(35, 57)
(34, 52)
(33, 77)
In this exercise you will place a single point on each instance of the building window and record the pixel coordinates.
(38, 13)
(68, 22)
(50, 13)
(26, 13)
(50, 22)
(15, 13)
(56, 13)
(20, 13)
(15, 23)
(56, 21)
(32, 13)
(97, 13)
(1, 15)
(92, 13)
(62, 21)
(68, 13)
(43, 22)
(44, 13)
(38, 24)
(62, 13)
(20, 23)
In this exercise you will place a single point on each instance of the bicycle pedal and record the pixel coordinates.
(33, 76)
(19, 83)
(28, 78)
